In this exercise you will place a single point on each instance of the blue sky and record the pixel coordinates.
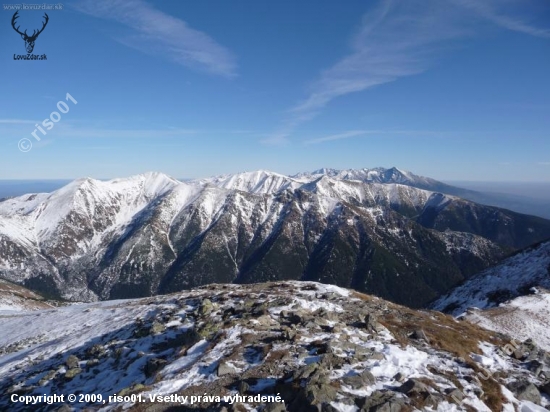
(455, 90)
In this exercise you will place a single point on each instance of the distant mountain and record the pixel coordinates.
(511, 278)
(258, 182)
(518, 203)
(151, 234)
(380, 175)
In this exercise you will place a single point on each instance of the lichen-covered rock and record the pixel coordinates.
(72, 362)
(71, 373)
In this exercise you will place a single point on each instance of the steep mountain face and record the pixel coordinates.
(511, 278)
(152, 234)
(283, 346)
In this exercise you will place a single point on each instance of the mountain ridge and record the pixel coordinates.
(151, 234)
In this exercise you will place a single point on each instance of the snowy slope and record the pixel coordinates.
(260, 181)
(511, 278)
(526, 317)
(16, 298)
(292, 339)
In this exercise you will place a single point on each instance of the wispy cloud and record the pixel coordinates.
(399, 39)
(68, 130)
(358, 133)
(509, 15)
(339, 136)
(16, 121)
(157, 33)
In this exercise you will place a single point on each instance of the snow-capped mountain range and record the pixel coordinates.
(382, 231)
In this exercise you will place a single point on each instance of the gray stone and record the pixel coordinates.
(306, 371)
(545, 388)
(377, 356)
(382, 401)
(331, 361)
(289, 333)
(419, 334)
(354, 381)
(226, 369)
(265, 320)
(243, 387)
(153, 365)
(327, 407)
(372, 324)
(525, 391)
(399, 377)
(72, 362)
(455, 394)
(535, 366)
(413, 387)
(360, 380)
(320, 393)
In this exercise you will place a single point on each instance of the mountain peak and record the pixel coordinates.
(258, 181)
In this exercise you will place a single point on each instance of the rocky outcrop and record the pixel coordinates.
(307, 346)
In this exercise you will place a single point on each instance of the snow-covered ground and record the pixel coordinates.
(227, 339)
(525, 317)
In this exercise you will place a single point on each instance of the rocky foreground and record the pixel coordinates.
(316, 347)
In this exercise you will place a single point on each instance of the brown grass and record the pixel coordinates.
(459, 338)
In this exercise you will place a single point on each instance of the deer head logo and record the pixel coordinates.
(29, 40)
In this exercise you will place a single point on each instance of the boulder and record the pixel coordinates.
(413, 387)
(360, 380)
(153, 365)
(455, 394)
(525, 391)
(382, 401)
